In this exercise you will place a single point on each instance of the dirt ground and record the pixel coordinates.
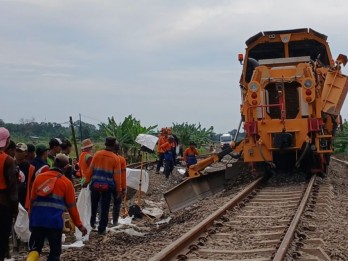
(149, 237)
(152, 237)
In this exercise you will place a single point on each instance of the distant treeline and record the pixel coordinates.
(31, 131)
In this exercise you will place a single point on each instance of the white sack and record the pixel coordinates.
(77, 244)
(21, 226)
(133, 176)
(84, 207)
(154, 212)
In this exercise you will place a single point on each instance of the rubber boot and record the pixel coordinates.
(33, 256)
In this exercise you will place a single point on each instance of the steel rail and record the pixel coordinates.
(137, 165)
(284, 246)
(174, 248)
(340, 161)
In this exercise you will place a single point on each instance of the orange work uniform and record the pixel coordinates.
(105, 168)
(85, 160)
(47, 211)
(29, 185)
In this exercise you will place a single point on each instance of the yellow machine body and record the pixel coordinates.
(292, 94)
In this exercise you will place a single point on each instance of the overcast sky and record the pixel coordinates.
(162, 61)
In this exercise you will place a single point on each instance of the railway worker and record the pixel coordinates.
(8, 192)
(118, 198)
(40, 161)
(27, 170)
(66, 147)
(174, 146)
(190, 155)
(55, 148)
(104, 174)
(51, 195)
(40, 165)
(85, 159)
(31, 153)
(11, 149)
(161, 140)
(168, 156)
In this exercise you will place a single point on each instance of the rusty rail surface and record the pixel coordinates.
(185, 245)
(284, 246)
(174, 248)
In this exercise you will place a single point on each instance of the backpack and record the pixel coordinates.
(46, 188)
(135, 211)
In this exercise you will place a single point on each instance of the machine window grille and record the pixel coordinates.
(263, 51)
(310, 48)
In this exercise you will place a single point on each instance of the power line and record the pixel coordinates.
(92, 118)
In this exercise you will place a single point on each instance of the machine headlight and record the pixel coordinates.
(253, 86)
(308, 83)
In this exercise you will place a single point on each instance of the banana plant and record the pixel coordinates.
(126, 132)
(191, 132)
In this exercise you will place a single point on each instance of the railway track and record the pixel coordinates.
(258, 224)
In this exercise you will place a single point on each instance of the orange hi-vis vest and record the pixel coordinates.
(83, 163)
(161, 140)
(47, 211)
(3, 183)
(105, 168)
(29, 185)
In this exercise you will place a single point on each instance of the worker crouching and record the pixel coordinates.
(52, 193)
(190, 156)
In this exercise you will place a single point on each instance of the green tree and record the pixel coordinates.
(191, 132)
(341, 139)
(126, 132)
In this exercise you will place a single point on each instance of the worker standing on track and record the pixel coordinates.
(161, 140)
(27, 170)
(190, 155)
(55, 148)
(174, 144)
(11, 149)
(168, 156)
(31, 153)
(8, 193)
(85, 159)
(66, 147)
(52, 193)
(104, 174)
(118, 199)
(40, 161)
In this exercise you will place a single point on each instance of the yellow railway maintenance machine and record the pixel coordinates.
(292, 93)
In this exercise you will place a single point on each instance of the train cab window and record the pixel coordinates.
(310, 48)
(263, 51)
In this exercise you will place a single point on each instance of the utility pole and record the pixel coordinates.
(74, 138)
(80, 128)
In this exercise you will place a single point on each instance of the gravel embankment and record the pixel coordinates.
(324, 226)
(121, 246)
